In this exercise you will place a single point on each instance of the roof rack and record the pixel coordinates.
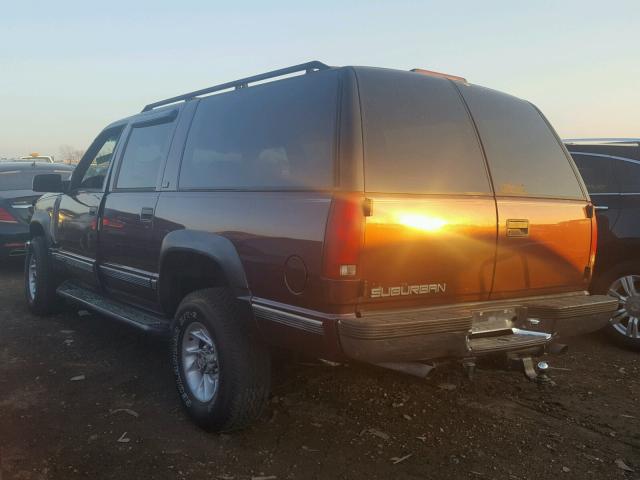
(242, 83)
(602, 141)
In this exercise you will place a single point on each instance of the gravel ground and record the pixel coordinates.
(84, 397)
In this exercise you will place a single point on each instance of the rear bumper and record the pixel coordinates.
(519, 325)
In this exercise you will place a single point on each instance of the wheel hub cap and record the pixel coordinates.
(200, 362)
(633, 305)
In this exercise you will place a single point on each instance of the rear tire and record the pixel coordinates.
(625, 279)
(40, 280)
(222, 371)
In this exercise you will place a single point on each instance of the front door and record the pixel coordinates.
(76, 232)
(129, 250)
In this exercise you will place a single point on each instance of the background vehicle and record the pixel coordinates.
(611, 171)
(16, 201)
(36, 157)
(344, 212)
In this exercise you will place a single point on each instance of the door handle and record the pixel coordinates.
(93, 211)
(517, 228)
(146, 214)
(601, 207)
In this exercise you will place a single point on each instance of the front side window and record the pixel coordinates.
(597, 173)
(144, 153)
(95, 172)
(524, 155)
(277, 135)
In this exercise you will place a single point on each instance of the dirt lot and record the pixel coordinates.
(121, 418)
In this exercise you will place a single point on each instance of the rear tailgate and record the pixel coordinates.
(430, 237)
(427, 251)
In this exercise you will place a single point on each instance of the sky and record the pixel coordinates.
(68, 68)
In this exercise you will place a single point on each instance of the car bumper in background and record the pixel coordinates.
(13, 238)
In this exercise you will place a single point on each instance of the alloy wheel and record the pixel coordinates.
(32, 276)
(626, 319)
(200, 362)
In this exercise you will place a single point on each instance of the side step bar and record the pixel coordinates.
(112, 308)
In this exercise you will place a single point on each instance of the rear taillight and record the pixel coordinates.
(594, 242)
(6, 217)
(344, 237)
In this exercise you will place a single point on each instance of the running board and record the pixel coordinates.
(112, 308)
(515, 340)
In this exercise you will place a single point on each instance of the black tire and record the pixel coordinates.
(44, 300)
(601, 286)
(244, 363)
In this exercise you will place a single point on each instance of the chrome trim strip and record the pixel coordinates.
(143, 279)
(304, 312)
(74, 260)
(289, 319)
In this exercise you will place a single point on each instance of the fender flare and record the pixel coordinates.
(214, 246)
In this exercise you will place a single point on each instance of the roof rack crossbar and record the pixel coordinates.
(241, 83)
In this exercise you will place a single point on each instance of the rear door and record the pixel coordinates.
(544, 233)
(129, 250)
(431, 235)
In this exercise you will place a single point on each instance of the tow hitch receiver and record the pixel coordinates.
(534, 372)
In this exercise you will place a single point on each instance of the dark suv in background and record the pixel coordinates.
(611, 170)
(354, 213)
(16, 201)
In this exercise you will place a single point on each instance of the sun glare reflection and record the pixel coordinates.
(425, 223)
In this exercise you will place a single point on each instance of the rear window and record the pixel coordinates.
(418, 137)
(629, 174)
(525, 157)
(278, 135)
(21, 180)
(597, 173)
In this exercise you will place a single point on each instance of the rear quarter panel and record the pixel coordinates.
(266, 228)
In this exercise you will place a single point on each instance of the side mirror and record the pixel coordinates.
(48, 183)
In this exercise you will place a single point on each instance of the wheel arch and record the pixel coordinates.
(36, 229)
(192, 260)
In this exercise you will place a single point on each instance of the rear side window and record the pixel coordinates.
(525, 157)
(278, 135)
(21, 180)
(146, 149)
(418, 137)
(597, 173)
(629, 175)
